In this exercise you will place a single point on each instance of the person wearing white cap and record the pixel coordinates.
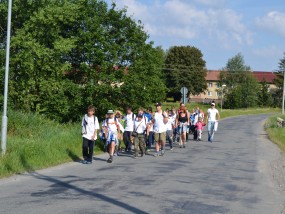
(213, 116)
(112, 129)
(159, 122)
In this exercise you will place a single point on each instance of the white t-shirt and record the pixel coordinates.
(202, 116)
(140, 126)
(129, 120)
(196, 117)
(212, 113)
(90, 127)
(112, 127)
(159, 126)
(169, 124)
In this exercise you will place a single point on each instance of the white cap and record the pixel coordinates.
(110, 112)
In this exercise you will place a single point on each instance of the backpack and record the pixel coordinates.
(115, 120)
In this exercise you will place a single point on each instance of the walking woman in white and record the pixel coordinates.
(213, 116)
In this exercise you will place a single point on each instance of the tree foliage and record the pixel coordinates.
(278, 93)
(264, 95)
(242, 87)
(66, 55)
(185, 68)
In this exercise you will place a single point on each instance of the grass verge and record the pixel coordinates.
(35, 143)
(276, 134)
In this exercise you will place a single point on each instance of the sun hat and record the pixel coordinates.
(110, 112)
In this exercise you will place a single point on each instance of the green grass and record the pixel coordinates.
(35, 143)
(236, 112)
(276, 134)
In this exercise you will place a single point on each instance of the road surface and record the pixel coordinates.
(237, 173)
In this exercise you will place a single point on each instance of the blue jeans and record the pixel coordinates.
(150, 139)
(211, 125)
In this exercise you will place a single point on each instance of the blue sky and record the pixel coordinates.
(219, 28)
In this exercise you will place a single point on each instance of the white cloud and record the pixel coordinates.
(181, 19)
(212, 3)
(273, 21)
(270, 51)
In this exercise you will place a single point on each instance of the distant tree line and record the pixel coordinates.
(242, 89)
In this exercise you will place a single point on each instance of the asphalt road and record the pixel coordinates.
(231, 175)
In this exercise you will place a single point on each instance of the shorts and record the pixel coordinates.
(183, 128)
(160, 136)
(112, 137)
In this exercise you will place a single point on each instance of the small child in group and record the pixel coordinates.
(199, 127)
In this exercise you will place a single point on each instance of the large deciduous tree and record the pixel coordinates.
(242, 88)
(185, 67)
(66, 55)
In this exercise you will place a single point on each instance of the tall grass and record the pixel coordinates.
(276, 134)
(35, 142)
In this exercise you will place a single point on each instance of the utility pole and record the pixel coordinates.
(223, 86)
(283, 96)
(5, 118)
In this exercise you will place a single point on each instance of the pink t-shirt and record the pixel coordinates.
(200, 125)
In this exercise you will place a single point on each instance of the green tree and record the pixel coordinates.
(278, 93)
(264, 95)
(242, 87)
(185, 67)
(66, 55)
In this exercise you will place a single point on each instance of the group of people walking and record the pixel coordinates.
(139, 132)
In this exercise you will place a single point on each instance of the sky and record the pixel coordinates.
(219, 28)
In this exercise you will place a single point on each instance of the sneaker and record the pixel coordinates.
(156, 154)
(162, 152)
(135, 156)
(171, 149)
(84, 162)
(184, 146)
(88, 162)
(180, 147)
(110, 160)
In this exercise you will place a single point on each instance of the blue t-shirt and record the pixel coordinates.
(148, 116)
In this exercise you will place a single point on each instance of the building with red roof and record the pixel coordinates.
(214, 90)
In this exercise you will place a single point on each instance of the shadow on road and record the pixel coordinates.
(73, 156)
(62, 186)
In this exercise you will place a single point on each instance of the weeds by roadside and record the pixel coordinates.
(276, 134)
